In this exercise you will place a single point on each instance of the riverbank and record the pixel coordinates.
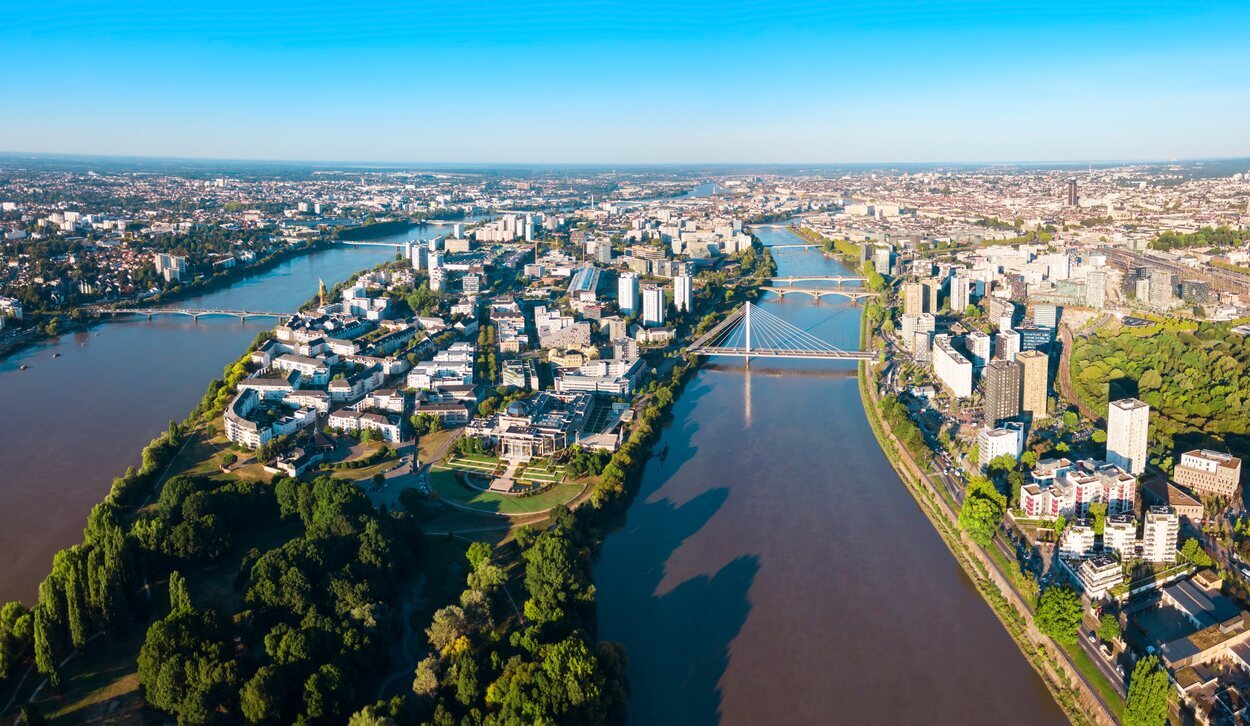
(1065, 682)
(66, 324)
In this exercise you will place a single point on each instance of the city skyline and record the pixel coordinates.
(742, 83)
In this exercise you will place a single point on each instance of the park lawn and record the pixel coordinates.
(428, 444)
(446, 484)
(359, 474)
(1095, 676)
(481, 458)
(542, 475)
(473, 467)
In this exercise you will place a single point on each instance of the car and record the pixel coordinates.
(1106, 651)
(1120, 669)
(1091, 637)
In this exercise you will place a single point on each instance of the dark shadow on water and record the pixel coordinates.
(677, 641)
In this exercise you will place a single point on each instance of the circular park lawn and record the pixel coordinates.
(447, 484)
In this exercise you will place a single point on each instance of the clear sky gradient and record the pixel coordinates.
(628, 81)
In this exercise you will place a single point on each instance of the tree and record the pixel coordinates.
(187, 665)
(179, 596)
(1059, 614)
(479, 552)
(1195, 554)
(1147, 702)
(1109, 628)
(17, 626)
(554, 577)
(1098, 511)
(982, 510)
(265, 697)
(45, 646)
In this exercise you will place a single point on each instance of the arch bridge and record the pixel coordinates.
(193, 313)
(817, 293)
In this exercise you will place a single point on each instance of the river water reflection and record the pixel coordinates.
(773, 569)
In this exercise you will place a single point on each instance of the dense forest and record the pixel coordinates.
(1194, 377)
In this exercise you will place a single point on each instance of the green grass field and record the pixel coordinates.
(445, 483)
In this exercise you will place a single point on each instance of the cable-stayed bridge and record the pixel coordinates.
(752, 332)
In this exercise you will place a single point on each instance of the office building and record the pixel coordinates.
(652, 305)
(683, 293)
(1196, 292)
(1159, 534)
(1033, 337)
(1128, 425)
(1035, 383)
(627, 293)
(1002, 380)
(1045, 316)
(951, 367)
(1209, 472)
(1073, 199)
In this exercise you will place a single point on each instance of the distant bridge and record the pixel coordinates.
(751, 332)
(365, 243)
(794, 247)
(839, 279)
(193, 313)
(818, 292)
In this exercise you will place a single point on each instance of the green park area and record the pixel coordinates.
(446, 483)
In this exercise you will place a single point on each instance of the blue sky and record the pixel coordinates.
(628, 82)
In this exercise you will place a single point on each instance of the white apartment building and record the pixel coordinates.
(951, 367)
(960, 293)
(1078, 540)
(1005, 441)
(1060, 488)
(1119, 535)
(451, 366)
(652, 305)
(1159, 534)
(1098, 576)
(1128, 424)
(683, 293)
(627, 293)
(980, 348)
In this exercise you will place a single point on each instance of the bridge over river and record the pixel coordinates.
(194, 313)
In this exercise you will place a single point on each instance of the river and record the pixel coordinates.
(74, 422)
(773, 568)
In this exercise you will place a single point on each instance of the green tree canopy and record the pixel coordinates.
(1058, 614)
(1147, 702)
